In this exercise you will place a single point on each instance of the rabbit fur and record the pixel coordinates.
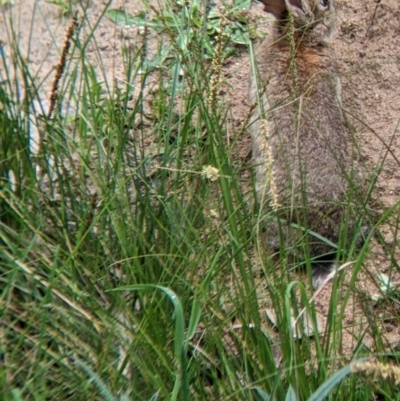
(301, 147)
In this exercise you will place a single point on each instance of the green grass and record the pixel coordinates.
(124, 281)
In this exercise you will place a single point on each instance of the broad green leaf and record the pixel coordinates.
(291, 395)
(179, 334)
(194, 319)
(120, 17)
(240, 37)
(242, 4)
(262, 394)
(154, 397)
(325, 389)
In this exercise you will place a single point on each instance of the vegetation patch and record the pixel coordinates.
(131, 257)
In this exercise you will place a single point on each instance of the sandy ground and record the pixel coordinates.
(366, 49)
(367, 46)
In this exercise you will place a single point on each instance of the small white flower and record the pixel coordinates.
(34, 138)
(12, 179)
(210, 172)
(214, 214)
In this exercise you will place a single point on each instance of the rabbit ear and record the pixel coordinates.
(298, 7)
(278, 7)
(275, 7)
(295, 3)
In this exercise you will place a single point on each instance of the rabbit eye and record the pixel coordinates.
(324, 4)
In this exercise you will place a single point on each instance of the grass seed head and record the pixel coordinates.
(376, 371)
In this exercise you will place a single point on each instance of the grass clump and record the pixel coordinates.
(128, 267)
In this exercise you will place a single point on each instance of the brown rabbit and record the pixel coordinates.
(301, 148)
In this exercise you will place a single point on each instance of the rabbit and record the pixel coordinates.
(301, 147)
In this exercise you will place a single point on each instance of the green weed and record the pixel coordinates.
(129, 265)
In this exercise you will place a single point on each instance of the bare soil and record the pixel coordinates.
(367, 47)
